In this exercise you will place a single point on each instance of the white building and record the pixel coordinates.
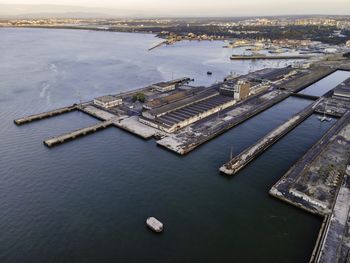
(164, 86)
(108, 101)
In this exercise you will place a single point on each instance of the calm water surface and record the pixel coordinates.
(87, 200)
(324, 85)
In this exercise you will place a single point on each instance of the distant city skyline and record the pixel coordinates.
(180, 7)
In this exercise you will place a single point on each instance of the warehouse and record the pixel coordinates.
(170, 85)
(177, 115)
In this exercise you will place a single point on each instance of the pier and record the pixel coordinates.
(77, 133)
(255, 57)
(283, 189)
(304, 96)
(44, 115)
(158, 45)
(248, 155)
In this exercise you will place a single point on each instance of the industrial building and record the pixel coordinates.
(256, 82)
(108, 101)
(170, 85)
(273, 75)
(172, 97)
(164, 86)
(239, 90)
(176, 115)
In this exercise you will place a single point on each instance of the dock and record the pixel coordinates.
(286, 188)
(158, 45)
(236, 115)
(45, 115)
(332, 246)
(77, 133)
(240, 161)
(305, 96)
(256, 57)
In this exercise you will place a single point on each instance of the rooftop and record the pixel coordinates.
(272, 74)
(181, 103)
(178, 95)
(107, 98)
(164, 84)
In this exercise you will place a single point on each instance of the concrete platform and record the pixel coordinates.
(311, 183)
(189, 138)
(335, 245)
(44, 115)
(133, 125)
(77, 133)
(248, 155)
(96, 112)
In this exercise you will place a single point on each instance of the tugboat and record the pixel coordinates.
(154, 224)
(209, 73)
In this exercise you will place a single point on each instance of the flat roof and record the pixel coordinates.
(163, 84)
(271, 74)
(170, 83)
(157, 102)
(181, 103)
(107, 98)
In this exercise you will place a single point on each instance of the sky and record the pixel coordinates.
(205, 7)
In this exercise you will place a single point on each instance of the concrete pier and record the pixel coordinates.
(44, 115)
(248, 155)
(334, 245)
(304, 96)
(331, 147)
(78, 133)
(158, 45)
(255, 57)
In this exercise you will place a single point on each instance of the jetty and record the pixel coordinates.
(240, 161)
(158, 45)
(256, 57)
(45, 115)
(305, 96)
(77, 133)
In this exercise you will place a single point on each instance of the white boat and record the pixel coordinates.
(324, 118)
(154, 224)
(277, 51)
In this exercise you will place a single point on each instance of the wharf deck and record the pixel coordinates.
(317, 73)
(187, 140)
(44, 115)
(96, 112)
(334, 246)
(137, 128)
(255, 57)
(184, 141)
(326, 155)
(304, 96)
(77, 133)
(248, 155)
